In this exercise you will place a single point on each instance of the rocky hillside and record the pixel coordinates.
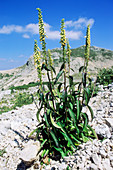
(27, 73)
(18, 151)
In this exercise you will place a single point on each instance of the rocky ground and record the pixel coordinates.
(20, 151)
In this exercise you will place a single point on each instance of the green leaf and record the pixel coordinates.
(41, 97)
(45, 67)
(70, 80)
(91, 111)
(85, 117)
(61, 151)
(84, 138)
(53, 69)
(58, 76)
(38, 112)
(64, 95)
(72, 69)
(78, 109)
(71, 105)
(45, 117)
(88, 92)
(81, 69)
(54, 124)
(44, 151)
(59, 86)
(62, 67)
(93, 131)
(54, 138)
(68, 139)
(42, 144)
(87, 95)
(72, 114)
(84, 79)
(32, 132)
(79, 86)
(73, 137)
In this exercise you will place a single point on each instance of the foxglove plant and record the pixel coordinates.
(63, 125)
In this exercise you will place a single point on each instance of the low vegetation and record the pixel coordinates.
(5, 75)
(2, 151)
(105, 76)
(18, 100)
(25, 86)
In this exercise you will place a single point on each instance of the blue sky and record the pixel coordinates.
(19, 26)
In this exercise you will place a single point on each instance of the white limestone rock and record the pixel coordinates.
(29, 153)
(95, 158)
(109, 122)
(103, 131)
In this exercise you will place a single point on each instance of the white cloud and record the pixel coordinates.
(73, 29)
(75, 35)
(33, 28)
(53, 34)
(26, 36)
(80, 23)
(8, 29)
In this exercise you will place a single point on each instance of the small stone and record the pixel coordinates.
(15, 125)
(29, 153)
(62, 166)
(95, 158)
(103, 153)
(111, 104)
(93, 166)
(109, 122)
(103, 131)
(105, 141)
(4, 127)
(106, 164)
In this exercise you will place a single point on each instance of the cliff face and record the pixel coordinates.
(99, 57)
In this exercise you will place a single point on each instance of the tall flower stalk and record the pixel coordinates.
(37, 61)
(42, 33)
(50, 63)
(86, 55)
(63, 45)
(87, 48)
(68, 54)
(42, 40)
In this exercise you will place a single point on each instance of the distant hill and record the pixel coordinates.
(99, 57)
(96, 53)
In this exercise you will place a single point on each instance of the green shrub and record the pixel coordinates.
(25, 86)
(1, 75)
(4, 109)
(2, 151)
(105, 76)
(18, 101)
(64, 125)
(23, 99)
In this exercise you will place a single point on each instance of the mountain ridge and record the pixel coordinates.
(99, 58)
